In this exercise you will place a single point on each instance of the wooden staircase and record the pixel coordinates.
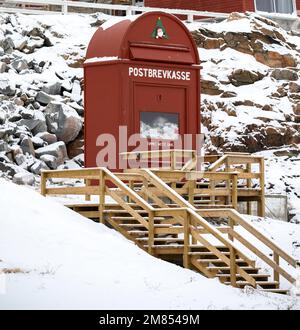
(149, 212)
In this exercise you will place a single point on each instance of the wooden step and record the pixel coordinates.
(164, 239)
(240, 262)
(262, 284)
(258, 277)
(279, 291)
(138, 225)
(207, 254)
(247, 269)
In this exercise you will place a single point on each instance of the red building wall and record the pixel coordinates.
(298, 4)
(222, 6)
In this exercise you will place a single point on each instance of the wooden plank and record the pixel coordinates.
(92, 190)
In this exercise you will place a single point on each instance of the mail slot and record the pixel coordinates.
(142, 78)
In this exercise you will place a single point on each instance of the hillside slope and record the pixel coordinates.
(53, 258)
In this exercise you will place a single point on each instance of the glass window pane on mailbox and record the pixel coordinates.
(275, 6)
(159, 125)
(284, 6)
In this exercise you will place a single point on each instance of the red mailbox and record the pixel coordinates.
(141, 77)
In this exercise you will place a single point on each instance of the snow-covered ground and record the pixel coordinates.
(52, 258)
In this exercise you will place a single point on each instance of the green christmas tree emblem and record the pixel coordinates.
(159, 31)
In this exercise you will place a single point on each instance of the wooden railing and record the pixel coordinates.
(235, 219)
(166, 204)
(79, 5)
(242, 163)
(172, 159)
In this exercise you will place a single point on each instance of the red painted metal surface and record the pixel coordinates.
(156, 74)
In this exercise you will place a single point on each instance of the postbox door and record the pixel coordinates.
(159, 111)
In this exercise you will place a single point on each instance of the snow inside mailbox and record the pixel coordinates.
(142, 78)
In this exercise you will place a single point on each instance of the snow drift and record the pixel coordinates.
(52, 258)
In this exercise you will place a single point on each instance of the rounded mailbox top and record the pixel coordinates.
(154, 36)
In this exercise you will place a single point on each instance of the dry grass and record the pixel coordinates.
(13, 271)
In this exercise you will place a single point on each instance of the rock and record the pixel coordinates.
(66, 85)
(43, 98)
(228, 94)
(24, 178)
(3, 146)
(9, 169)
(37, 124)
(27, 114)
(57, 149)
(76, 91)
(19, 65)
(38, 142)
(294, 87)
(210, 87)
(8, 45)
(76, 147)
(47, 137)
(27, 146)
(50, 161)
(79, 109)
(34, 43)
(63, 121)
(20, 159)
(52, 88)
(296, 109)
(242, 77)
(7, 87)
(38, 166)
(79, 160)
(3, 67)
(284, 74)
(3, 116)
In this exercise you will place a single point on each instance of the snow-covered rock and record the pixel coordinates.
(57, 149)
(63, 121)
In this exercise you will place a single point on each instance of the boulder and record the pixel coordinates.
(52, 88)
(7, 87)
(8, 45)
(284, 74)
(57, 149)
(242, 77)
(19, 65)
(63, 121)
(38, 142)
(43, 98)
(294, 87)
(50, 161)
(210, 87)
(38, 166)
(20, 159)
(27, 146)
(3, 67)
(3, 146)
(9, 169)
(37, 124)
(76, 91)
(24, 178)
(47, 137)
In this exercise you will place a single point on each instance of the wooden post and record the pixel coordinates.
(227, 169)
(212, 186)
(234, 195)
(261, 204)
(151, 232)
(191, 188)
(101, 196)
(43, 183)
(249, 185)
(173, 160)
(186, 249)
(232, 266)
(64, 7)
(231, 225)
(276, 260)
(87, 184)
